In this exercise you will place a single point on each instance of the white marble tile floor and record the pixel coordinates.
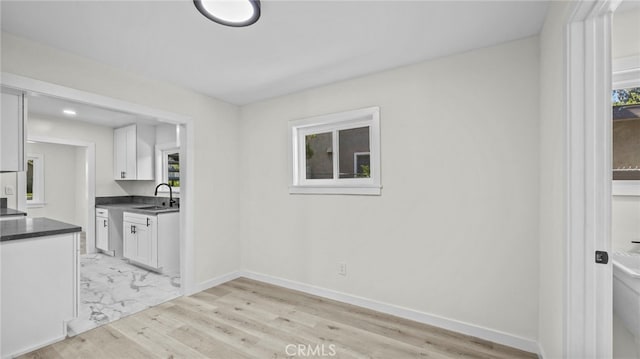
(111, 288)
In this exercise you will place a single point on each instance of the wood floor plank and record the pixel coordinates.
(250, 319)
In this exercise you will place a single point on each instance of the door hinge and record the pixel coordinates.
(602, 257)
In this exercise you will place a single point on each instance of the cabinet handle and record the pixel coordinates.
(122, 174)
(133, 229)
(147, 221)
(105, 222)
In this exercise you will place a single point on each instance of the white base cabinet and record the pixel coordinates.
(40, 278)
(152, 240)
(102, 229)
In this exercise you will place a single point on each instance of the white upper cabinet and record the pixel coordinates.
(12, 133)
(133, 156)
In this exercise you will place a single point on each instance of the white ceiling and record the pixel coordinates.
(53, 107)
(295, 44)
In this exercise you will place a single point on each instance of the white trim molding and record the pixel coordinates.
(213, 282)
(587, 285)
(457, 326)
(473, 330)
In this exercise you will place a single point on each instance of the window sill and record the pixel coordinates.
(625, 188)
(370, 191)
(36, 204)
(165, 190)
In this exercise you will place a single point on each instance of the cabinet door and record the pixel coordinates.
(12, 133)
(129, 241)
(131, 171)
(119, 153)
(148, 243)
(102, 233)
(124, 143)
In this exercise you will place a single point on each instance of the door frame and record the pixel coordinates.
(187, 137)
(90, 181)
(588, 286)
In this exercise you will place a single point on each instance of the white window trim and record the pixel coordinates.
(38, 180)
(626, 74)
(161, 165)
(298, 129)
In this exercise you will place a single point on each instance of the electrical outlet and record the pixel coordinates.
(8, 190)
(342, 269)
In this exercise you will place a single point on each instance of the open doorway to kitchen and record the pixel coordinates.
(136, 253)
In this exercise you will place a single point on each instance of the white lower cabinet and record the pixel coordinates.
(152, 240)
(39, 286)
(102, 229)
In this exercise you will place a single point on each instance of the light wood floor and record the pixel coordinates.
(249, 319)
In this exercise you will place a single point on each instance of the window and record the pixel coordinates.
(168, 165)
(337, 153)
(35, 180)
(625, 99)
(626, 132)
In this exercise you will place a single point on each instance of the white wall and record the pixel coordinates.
(60, 182)
(216, 177)
(552, 182)
(626, 33)
(454, 232)
(101, 136)
(9, 179)
(81, 195)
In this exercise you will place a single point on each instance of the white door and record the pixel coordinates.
(102, 233)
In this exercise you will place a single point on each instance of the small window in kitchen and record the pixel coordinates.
(35, 180)
(171, 168)
(337, 153)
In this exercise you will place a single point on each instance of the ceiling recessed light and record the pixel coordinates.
(235, 13)
(69, 112)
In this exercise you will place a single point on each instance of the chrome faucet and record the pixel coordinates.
(171, 201)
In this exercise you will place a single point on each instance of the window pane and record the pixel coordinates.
(29, 180)
(173, 169)
(319, 154)
(626, 134)
(354, 153)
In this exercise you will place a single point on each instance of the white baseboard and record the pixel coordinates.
(477, 331)
(540, 352)
(199, 287)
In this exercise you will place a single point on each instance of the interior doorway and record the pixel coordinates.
(43, 129)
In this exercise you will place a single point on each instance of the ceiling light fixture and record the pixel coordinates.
(69, 112)
(236, 13)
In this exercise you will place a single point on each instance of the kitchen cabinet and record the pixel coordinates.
(39, 291)
(134, 156)
(152, 240)
(12, 133)
(102, 230)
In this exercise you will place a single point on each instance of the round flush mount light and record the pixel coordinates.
(236, 13)
(69, 112)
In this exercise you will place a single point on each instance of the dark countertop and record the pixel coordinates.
(11, 212)
(34, 227)
(136, 208)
